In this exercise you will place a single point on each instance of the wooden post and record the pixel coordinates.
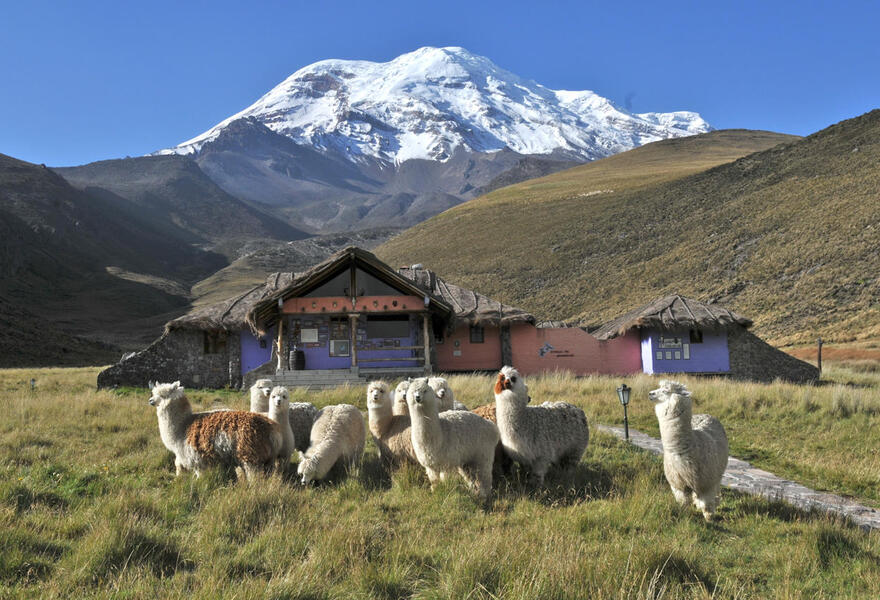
(819, 356)
(426, 329)
(279, 342)
(352, 334)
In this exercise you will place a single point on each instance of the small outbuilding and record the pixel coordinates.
(682, 335)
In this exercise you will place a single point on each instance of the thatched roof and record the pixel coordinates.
(469, 306)
(257, 306)
(265, 310)
(231, 314)
(673, 313)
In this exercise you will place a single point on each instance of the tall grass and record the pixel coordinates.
(90, 507)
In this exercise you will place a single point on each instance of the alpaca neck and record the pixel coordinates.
(259, 404)
(676, 434)
(508, 405)
(425, 428)
(174, 420)
(380, 419)
(281, 415)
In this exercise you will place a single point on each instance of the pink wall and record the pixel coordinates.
(467, 356)
(573, 349)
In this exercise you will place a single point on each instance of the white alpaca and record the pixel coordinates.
(337, 437)
(249, 442)
(390, 432)
(452, 441)
(537, 437)
(444, 393)
(302, 414)
(279, 400)
(695, 448)
(400, 407)
(260, 392)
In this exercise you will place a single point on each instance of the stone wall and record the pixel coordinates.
(751, 358)
(179, 355)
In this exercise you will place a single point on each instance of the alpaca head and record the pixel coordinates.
(420, 397)
(260, 395)
(509, 379)
(672, 401)
(279, 398)
(306, 469)
(440, 386)
(165, 394)
(378, 395)
(399, 405)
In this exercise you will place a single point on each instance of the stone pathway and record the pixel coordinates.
(743, 477)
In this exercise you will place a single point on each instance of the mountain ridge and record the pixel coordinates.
(430, 102)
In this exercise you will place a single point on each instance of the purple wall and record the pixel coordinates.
(252, 355)
(364, 355)
(673, 352)
(317, 354)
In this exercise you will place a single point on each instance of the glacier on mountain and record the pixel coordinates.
(433, 102)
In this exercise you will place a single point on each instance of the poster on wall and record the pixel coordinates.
(669, 342)
(308, 336)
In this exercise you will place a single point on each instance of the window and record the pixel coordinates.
(340, 341)
(215, 342)
(339, 285)
(339, 329)
(368, 285)
(696, 336)
(477, 334)
(380, 327)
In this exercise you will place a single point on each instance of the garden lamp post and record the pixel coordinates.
(623, 394)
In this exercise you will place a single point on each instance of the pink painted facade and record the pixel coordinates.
(540, 350)
(457, 353)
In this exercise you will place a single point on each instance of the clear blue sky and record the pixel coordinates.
(84, 81)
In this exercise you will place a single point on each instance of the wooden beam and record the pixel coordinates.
(352, 334)
(426, 328)
(279, 342)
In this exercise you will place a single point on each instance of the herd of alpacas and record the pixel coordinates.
(420, 422)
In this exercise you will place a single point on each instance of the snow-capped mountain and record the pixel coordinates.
(433, 102)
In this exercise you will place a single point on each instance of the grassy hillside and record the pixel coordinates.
(89, 507)
(788, 236)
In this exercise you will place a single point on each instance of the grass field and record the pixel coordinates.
(90, 507)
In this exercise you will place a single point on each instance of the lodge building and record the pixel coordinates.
(352, 318)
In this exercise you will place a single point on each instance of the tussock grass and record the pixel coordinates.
(90, 507)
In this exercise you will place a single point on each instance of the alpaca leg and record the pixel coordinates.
(706, 503)
(484, 478)
(539, 470)
(681, 496)
(433, 476)
(178, 468)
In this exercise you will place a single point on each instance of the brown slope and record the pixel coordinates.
(788, 236)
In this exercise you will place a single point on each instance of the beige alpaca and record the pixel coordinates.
(337, 438)
(537, 437)
(695, 448)
(455, 440)
(390, 432)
